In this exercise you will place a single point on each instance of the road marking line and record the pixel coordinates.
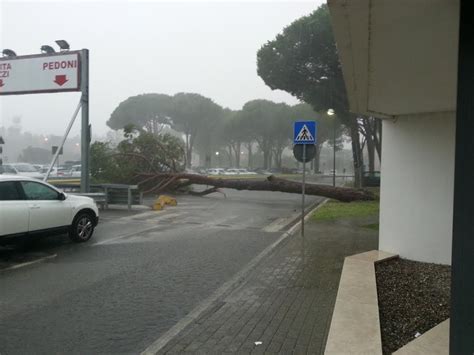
(138, 216)
(224, 290)
(170, 216)
(126, 235)
(18, 266)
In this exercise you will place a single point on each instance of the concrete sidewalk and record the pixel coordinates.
(285, 304)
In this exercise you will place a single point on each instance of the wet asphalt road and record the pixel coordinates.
(139, 275)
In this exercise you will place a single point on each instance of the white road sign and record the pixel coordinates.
(40, 73)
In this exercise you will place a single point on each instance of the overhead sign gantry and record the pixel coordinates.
(40, 74)
(52, 73)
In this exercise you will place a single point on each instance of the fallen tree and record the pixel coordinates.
(158, 182)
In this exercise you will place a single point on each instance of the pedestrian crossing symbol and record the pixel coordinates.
(304, 135)
(304, 132)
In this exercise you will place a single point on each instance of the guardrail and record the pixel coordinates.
(106, 194)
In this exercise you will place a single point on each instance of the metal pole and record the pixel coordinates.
(334, 156)
(303, 188)
(462, 288)
(85, 128)
(1, 152)
(55, 157)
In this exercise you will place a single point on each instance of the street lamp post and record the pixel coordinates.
(2, 142)
(331, 113)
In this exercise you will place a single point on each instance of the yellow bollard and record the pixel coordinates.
(162, 201)
(157, 206)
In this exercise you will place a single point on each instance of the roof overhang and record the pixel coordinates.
(398, 57)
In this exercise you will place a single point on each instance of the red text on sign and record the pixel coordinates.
(64, 64)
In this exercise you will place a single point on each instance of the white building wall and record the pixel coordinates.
(416, 202)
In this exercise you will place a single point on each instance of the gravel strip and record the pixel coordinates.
(413, 298)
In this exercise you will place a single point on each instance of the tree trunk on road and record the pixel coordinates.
(271, 183)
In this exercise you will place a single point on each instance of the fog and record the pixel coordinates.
(140, 47)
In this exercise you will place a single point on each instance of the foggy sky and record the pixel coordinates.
(143, 47)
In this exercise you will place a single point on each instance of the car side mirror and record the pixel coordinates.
(62, 196)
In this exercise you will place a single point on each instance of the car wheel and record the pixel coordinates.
(82, 228)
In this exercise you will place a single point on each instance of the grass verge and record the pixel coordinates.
(373, 226)
(335, 210)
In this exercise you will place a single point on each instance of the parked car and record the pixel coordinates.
(371, 179)
(200, 170)
(31, 207)
(7, 169)
(75, 171)
(24, 169)
(216, 171)
(189, 171)
(231, 172)
(246, 172)
(56, 172)
(262, 171)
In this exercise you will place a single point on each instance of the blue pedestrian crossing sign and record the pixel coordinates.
(304, 132)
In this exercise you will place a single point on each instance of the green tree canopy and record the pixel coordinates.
(147, 111)
(188, 113)
(303, 61)
(139, 152)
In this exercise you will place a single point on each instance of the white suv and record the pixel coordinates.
(29, 206)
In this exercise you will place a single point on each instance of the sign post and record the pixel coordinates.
(303, 188)
(304, 134)
(85, 126)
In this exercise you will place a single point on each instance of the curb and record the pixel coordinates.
(355, 321)
(229, 286)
